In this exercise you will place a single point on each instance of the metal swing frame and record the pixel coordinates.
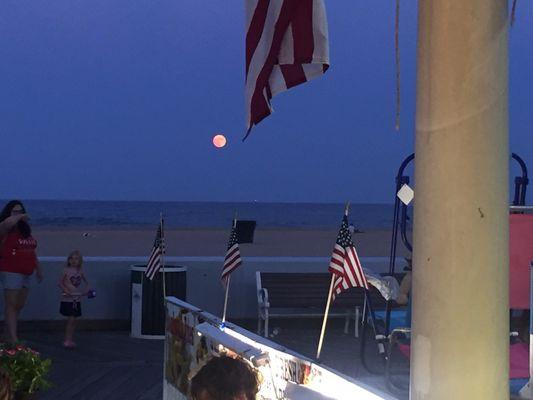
(387, 339)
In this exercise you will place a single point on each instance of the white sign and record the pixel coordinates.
(406, 194)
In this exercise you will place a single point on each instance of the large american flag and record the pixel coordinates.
(155, 260)
(233, 256)
(345, 264)
(286, 45)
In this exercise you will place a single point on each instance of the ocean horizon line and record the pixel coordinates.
(204, 215)
(24, 200)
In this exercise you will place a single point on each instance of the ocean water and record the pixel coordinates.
(69, 213)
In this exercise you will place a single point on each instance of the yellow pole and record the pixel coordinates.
(460, 261)
(325, 320)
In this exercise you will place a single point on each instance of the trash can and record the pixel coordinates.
(147, 305)
(245, 231)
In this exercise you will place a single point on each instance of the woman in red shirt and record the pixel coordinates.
(18, 261)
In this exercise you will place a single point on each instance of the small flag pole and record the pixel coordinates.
(328, 303)
(226, 299)
(227, 280)
(162, 248)
(326, 312)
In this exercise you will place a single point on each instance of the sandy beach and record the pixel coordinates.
(206, 242)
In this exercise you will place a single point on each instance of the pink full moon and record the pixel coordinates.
(219, 141)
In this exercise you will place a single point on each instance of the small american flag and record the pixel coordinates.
(286, 45)
(345, 264)
(233, 256)
(155, 261)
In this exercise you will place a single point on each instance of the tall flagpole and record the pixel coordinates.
(326, 312)
(162, 248)
(228, 279)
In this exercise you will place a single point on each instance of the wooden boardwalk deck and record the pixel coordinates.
(113, 366)
(105, 365)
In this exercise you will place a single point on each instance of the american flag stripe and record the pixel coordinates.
(155, 259)
(336, 264)
(259, 90)
(339, 285)
(232, 250)
(231, 267)
(232, 260)
(257, 14)
(337, 257)
(257, 42)
(286, 45)
(153, 265)
(353, 269)
(345, 263)
(349, 268)
(302, 30)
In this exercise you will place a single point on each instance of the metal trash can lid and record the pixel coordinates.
(169, 268)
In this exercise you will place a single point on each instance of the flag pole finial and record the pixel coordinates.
(235, 218)
(347, 208)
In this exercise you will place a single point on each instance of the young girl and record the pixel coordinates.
(73, 285)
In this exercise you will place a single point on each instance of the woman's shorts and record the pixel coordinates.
(70, 308)
(12, 280)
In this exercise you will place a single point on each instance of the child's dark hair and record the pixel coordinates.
(74, 253)
(22, 226)
(225, 378)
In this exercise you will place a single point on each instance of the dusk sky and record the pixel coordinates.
(116, 99)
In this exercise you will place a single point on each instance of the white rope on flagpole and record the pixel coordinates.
(328, 303)
(397, 58)
(162, 248)
(513, 12)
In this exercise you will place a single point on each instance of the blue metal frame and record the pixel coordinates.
(399, 225)
(401, 216)
(520, 183)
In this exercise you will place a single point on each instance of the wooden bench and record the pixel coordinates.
(303, 294)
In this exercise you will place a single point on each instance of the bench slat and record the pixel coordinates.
(309, 290)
